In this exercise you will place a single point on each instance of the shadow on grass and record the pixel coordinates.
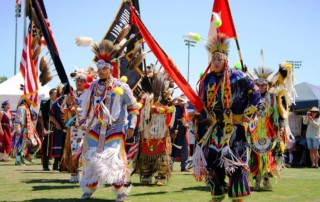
(60, 181)
(149, 193)
(35, 171)
(197, 188)
(298, 167)
(137, 184)
(260, 190)
(68, 200)
(40, 171)
(40, 188)
(6, 164)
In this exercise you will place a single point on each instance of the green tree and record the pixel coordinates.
(3, 78)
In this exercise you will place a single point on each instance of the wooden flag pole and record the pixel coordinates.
(235, 37)
(239, 53)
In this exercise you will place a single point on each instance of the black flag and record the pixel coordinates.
(121, 20)
(41, 14)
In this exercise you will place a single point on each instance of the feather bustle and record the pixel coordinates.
(137, 60)
(35, 19)
(43, 63)
(37, 52)
(36, 41)
(125, 31)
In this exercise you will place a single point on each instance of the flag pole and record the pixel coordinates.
(25, 19)
(17, 14)
(239, 53)
(235, 38)
(15, 46)
(262, 58)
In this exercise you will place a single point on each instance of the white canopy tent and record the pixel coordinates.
(10, 90)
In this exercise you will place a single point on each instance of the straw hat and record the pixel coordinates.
(314, 109)
(183, 99)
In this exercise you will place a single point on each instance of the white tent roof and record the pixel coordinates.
(10, 90)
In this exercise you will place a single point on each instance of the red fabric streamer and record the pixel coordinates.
(167, 63)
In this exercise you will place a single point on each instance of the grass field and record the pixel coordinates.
(30, 183)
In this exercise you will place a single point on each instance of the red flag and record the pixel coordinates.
(227, 27)
(167, 63)
(28, 69)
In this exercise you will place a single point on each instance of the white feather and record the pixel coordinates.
(84, 41)
(191, 36)
(138, 47)
(122, 42)
(75, 66)
(131, 36)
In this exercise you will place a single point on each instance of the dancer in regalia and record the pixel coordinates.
(269, 130)
(230, 97)
(73, 142)
(110, 113)
(155, 118)
(263, 132)
(26, 140)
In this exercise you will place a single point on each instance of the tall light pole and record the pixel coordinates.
(18, 14)
(190, 40)
(296, 64)
(189, 43)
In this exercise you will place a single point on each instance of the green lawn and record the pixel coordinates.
(30, 183)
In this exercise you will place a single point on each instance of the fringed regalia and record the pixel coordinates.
(283, 89)
(262, 140)
(263, 132)
(110, 109)
(26, 140)
(104, 156)
(229, 96)
(72, 142)
(155, 144)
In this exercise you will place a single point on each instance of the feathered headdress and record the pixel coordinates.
(284, 80)
(107, 56)
(218, 46)
(108, 53)
(86, 75)
(262, 74)
(159, 84)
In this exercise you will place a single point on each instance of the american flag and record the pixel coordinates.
(28, 69)
(18, 8)
(133, 151)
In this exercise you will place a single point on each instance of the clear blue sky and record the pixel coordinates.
(285, 30)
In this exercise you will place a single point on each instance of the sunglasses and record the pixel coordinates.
(103, 64)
